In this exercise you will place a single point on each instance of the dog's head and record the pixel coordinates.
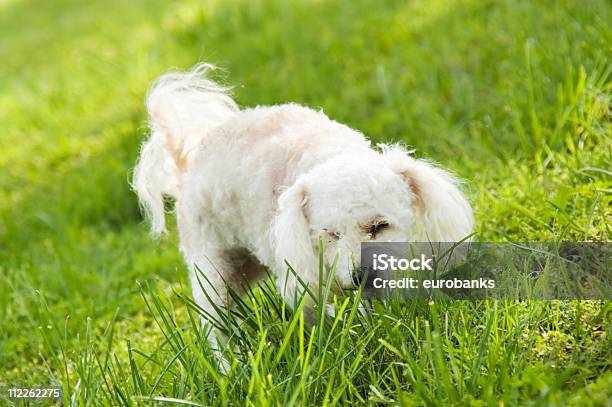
(382, 197)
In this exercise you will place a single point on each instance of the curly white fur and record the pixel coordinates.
(258, 187)
(183, 109)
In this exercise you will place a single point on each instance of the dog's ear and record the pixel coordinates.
(292, 242)
(443, 214)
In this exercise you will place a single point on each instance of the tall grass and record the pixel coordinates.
(415, 352)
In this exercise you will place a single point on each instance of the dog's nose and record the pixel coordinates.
(358, 275)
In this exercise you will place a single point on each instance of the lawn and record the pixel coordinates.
(513, 96)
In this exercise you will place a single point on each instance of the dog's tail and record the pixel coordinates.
(183, 108)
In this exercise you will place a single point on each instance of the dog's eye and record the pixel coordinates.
(378, 227)
(332, 234)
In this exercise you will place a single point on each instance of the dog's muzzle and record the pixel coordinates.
(359, 276)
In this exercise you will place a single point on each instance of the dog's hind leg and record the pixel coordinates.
(213, 273)
(209, 272)
(208, 276)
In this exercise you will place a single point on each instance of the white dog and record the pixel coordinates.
(260, 187)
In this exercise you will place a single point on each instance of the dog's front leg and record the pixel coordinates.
(294, 290)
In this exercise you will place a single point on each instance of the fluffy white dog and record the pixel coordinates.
(259, 187)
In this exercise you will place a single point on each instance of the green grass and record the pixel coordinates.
(514, 96)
